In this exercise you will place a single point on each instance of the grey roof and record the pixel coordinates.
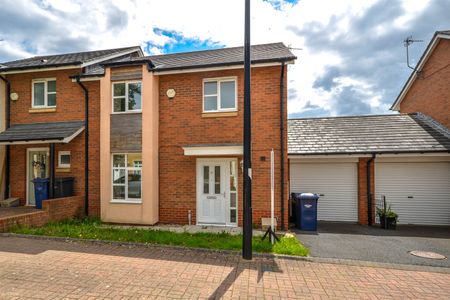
(367, 134)
(57, 60)
(40, 132)
(275, 52)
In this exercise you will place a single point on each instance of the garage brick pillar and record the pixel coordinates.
(362, 190)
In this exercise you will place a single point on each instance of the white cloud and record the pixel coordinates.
(52, 26)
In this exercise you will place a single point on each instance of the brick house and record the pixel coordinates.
(427, 90)
(164, 132)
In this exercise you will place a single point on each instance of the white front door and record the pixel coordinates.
(213, 191)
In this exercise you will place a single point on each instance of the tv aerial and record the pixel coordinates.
(407, 42)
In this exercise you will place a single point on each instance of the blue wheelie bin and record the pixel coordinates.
(306, 211)
(40, 191)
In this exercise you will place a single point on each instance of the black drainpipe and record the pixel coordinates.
(369, 191)
(7, 125)
(86, 146)
(282, 141)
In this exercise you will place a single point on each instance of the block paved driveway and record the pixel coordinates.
(49, 269)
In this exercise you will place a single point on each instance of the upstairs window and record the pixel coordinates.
(127, 97)
(219, 95)
(44, 93)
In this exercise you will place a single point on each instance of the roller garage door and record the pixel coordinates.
(418, 192)
(335, 182)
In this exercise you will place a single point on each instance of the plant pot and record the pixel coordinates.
(388, 223)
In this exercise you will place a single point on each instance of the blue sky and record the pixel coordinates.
(352, 60)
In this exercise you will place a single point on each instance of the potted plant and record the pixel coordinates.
(388, 218)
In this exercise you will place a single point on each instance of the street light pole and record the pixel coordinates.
(247, 232)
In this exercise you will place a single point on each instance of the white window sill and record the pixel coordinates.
(125, 201)
(127, 112)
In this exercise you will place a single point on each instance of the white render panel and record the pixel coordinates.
(418, 192)
(338, 184)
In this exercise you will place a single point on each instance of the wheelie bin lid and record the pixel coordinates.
(305, 196)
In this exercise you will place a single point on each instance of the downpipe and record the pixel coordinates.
(369, 190)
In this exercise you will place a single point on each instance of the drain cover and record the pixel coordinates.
(427, 254)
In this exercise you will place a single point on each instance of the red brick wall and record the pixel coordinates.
(70, 107)
(181, 123)
(362, 190)
(53, 210)
(64, 208)
(38, 218)
(430, 92)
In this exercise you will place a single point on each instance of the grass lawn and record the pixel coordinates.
(90, 228)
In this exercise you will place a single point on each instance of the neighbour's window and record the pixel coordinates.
(64, 159)
(219, 95)
(44, 93)
(126, 177)
(127, 97)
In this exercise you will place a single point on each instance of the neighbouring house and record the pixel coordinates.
(427, 90)
(164, 132)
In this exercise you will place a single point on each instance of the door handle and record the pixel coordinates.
(322, 195)
(410, 197)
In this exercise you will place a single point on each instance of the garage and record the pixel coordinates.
(352, 161)
(335, 182)
(419, 192)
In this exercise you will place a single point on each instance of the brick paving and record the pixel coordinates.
(49, 269)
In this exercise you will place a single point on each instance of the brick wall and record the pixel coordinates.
(181, 123)
(70, 107)
(430, 92)
(34, 219)
(362, 190)
(52, 210)
(64, 208)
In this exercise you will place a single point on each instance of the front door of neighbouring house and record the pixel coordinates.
(216, 186)
(37, 167)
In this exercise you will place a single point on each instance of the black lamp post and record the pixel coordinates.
(247, 236)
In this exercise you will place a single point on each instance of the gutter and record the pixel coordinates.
(86, 146)
(7, 125)
(368, 153)
(282, 141)
(227, 64)
(369, 190)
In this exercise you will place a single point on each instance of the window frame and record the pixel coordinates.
(46, 92)
(125, 184)
(219, 81)
(61, 153)
(127, 111)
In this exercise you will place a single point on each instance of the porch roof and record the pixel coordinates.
(40, 133)
(213, 149)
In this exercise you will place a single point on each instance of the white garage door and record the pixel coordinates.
(418, 192)
(335, 182)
